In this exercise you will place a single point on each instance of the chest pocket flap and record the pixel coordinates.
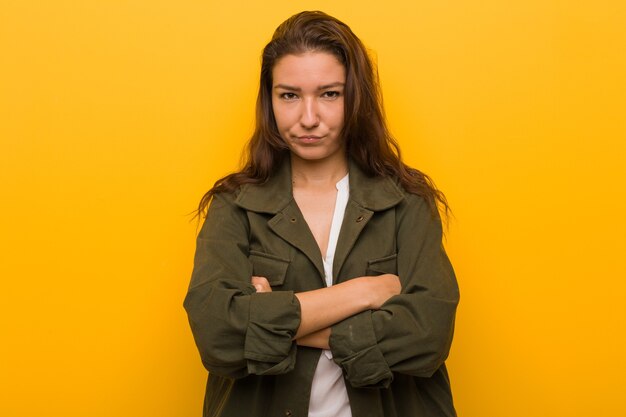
(385, 265)
(269, 266)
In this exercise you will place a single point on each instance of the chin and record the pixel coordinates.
(307, 157)
(311, 154)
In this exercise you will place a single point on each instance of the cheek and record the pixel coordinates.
(338, 117)
(281, 117)
(276, 112)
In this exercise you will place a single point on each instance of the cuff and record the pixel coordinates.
(355, 348)
(269, 345)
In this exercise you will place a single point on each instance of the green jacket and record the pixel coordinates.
(392, 358)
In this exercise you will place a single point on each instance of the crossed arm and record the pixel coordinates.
(239, 332)
(324, 307)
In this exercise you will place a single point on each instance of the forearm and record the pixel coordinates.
(324, 307)
(318, 339)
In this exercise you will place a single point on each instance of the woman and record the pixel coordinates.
(320, 286)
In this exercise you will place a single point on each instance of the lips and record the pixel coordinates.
(308, 139)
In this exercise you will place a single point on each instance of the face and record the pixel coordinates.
(308, 100)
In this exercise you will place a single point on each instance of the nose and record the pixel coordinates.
(310, 117)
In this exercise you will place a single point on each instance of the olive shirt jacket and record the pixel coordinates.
(392, 358)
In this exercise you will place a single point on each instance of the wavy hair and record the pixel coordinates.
(368, 140)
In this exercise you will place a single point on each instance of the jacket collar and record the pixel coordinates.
(372, 193)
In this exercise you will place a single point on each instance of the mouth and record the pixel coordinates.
(309, 138)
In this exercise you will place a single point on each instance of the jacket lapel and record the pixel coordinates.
(367, 195)
(290, 225)
(354, 221)
(276, 197)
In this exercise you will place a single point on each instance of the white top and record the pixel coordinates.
(329, 397)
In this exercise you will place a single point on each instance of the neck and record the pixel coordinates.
(318, 173)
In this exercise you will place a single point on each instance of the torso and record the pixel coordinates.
(323, 209)
(317, 207)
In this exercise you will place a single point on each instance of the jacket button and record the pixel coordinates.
(288, 413)
(359, 219)
(292, 220)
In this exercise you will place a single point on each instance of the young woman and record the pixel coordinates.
(320, 285)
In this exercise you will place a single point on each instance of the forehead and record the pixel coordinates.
(309, 68)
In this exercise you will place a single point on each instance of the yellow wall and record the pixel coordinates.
(115, 117)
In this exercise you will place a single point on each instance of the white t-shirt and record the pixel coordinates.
(329, 397)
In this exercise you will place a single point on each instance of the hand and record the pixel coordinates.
(261, 284)
(381, 288)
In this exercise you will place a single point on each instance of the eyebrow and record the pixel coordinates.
(298, 89)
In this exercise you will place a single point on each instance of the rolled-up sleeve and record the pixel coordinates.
(412, 332)
(237, 331)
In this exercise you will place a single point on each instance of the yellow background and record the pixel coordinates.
(116, 116)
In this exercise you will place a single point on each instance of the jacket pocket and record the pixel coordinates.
(269, 266)
(385, 265)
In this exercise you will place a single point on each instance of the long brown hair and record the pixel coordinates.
(368, 140)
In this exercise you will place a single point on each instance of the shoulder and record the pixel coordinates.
(416, 210)
(224, 199)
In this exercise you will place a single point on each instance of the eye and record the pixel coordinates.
(331, 94)
(288, 96)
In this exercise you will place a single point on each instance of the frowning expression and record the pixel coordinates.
(308, 104)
